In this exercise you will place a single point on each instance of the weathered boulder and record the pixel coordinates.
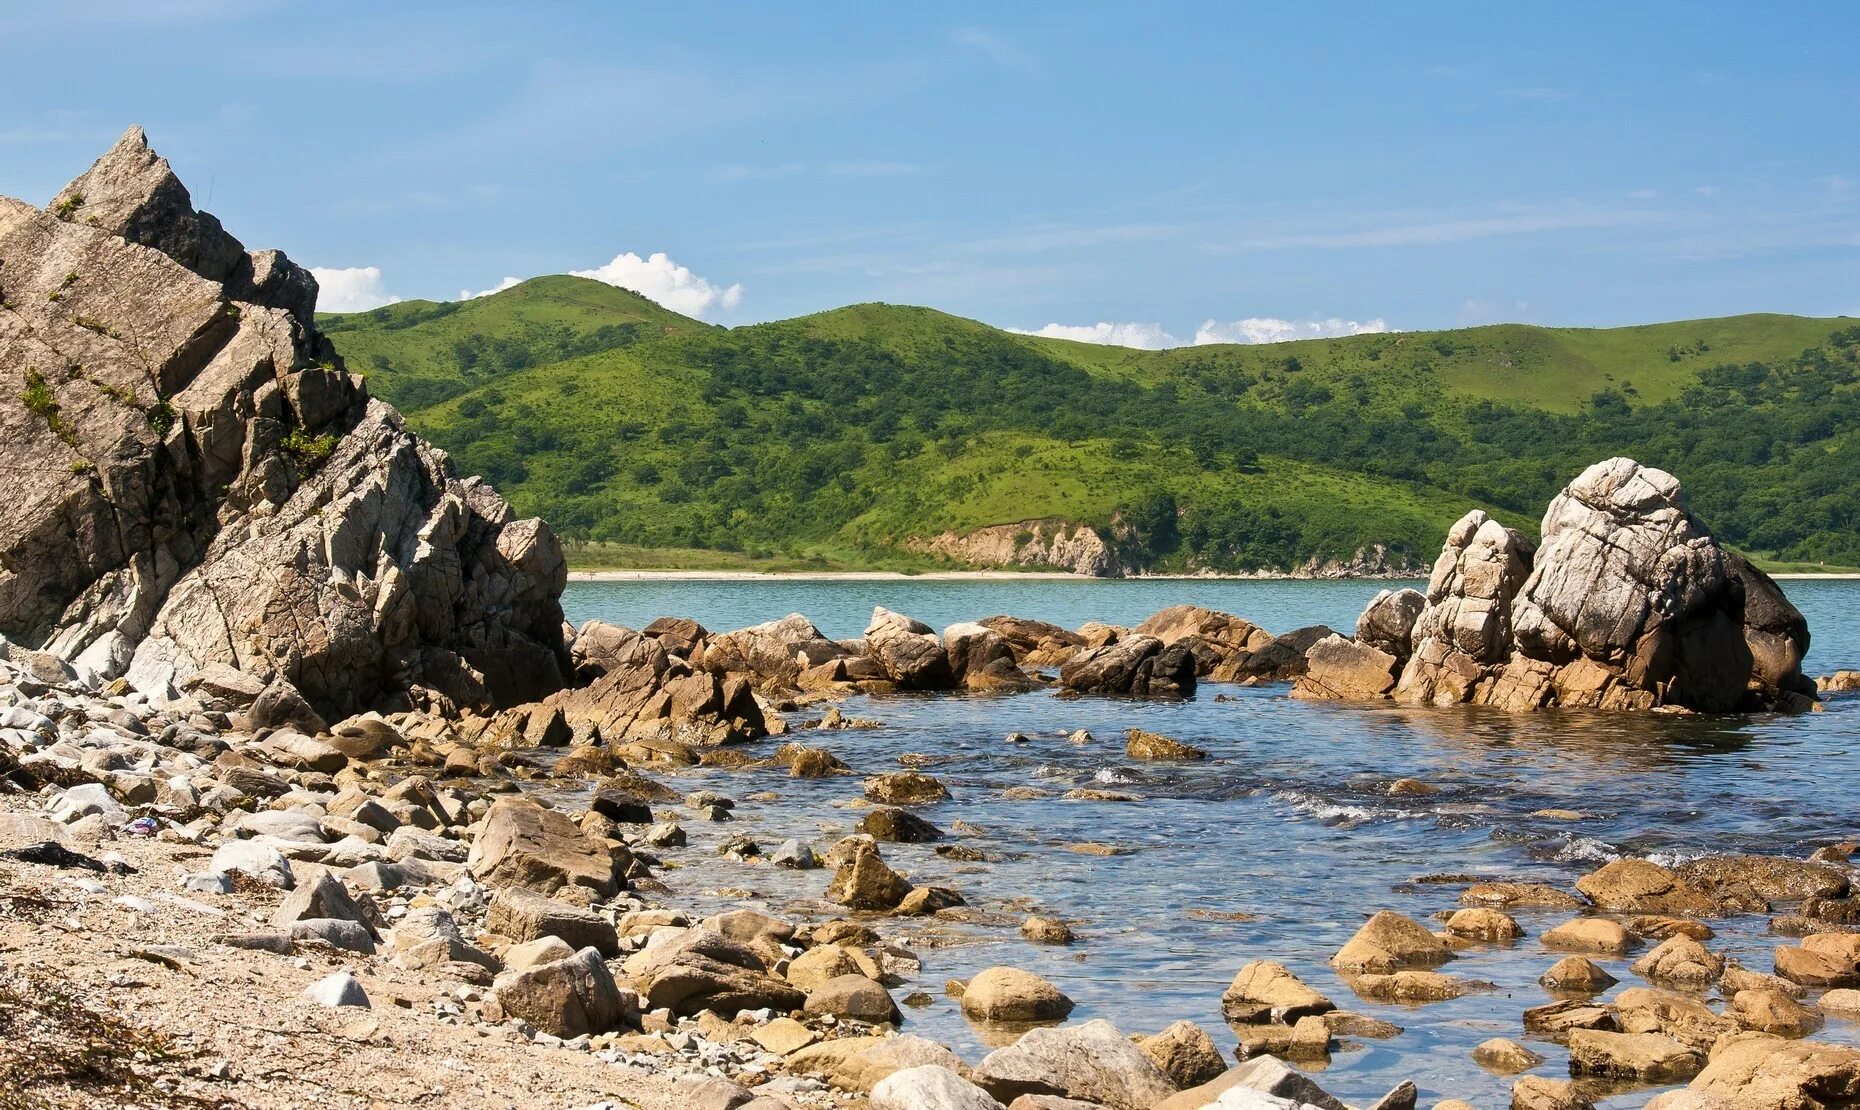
(703, 970)
(1185, 1053)
(929, 1087)
(1771, 878)
(898, 826)
(1629, 604)
(1009, 994)
(1642, 886)
(863, 881)
(1651, 1057)
(1281, 660)
(568, 998)
(1267, 990)
(524, 915)
(861, 1063)
(1600, 935)
(1822, 960)
(208, 487)
(1465, 627)
(1390, 942)
(1141, 744)
(982, 659)
(1577, 975)
(1772, 1011)
(1767, 1073)
(1387, 623)
(774, 652)
(1680, 961)
(1035, 643)
(1505, 1056)
(520, 843)
(908, 650)
(1137, 666)
(1537, 1093)
(905, 788)
(1337, 669)
(1484, 923)
(1093, 1062)
(645, 693)
(1220, 642)
(852, 996)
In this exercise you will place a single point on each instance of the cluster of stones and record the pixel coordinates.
(385, 837)
(1628, 604)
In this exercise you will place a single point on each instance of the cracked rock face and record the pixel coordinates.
(1628, 604)
(193, 480)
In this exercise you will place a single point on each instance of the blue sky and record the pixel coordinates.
(1165, 170)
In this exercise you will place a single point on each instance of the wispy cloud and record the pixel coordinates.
(1035, 240)
(1421, 229)
(990, 45)
(1251, 329)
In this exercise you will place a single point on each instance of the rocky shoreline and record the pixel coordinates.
(308, 794)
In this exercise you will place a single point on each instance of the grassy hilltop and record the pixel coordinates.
(652, 439)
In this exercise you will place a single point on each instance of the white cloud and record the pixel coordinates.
(354, 289)
(1149, 337)
(660, 279)
(507, 283)
(1253, 329)
(1268, 329)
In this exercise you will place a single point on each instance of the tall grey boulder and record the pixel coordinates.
(196, 481)
(1628, 604)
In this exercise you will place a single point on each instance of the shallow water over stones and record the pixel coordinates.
(1287, 838)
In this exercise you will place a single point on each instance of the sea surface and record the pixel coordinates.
(1280, 845)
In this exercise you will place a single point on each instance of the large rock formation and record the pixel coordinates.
(1628, 604)
(193, 480)
(1057, 544)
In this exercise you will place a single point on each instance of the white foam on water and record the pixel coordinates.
(1587, 849)
(1116, 776)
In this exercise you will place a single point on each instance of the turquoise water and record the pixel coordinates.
(1290, 822)
(841, 607)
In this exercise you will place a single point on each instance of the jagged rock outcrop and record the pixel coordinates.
(193, 480)
(775, 652)
(1137, 666)
(644, 692)
(1029, 543)
(909, 651)
(1221, 642)
(1387, 623)
(1628, 604)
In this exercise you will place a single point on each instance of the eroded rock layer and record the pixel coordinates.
(192, 479)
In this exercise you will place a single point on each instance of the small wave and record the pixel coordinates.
(1340, 813)
(1675, 857)
(1116, 776)
(1587, 849)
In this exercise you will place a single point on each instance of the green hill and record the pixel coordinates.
(845, 437)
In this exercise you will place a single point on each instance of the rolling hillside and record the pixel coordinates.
(850, 437)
